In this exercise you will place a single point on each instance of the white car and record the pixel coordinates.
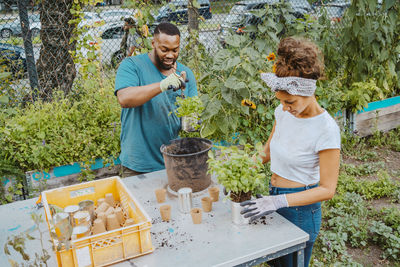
(116, 15)
(108, 38)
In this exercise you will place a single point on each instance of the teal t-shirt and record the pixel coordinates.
(145, 128)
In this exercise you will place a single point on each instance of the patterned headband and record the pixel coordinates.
(292, 85)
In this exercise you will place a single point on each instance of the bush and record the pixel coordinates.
(48, 134)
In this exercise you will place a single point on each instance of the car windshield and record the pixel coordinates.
(236, 15)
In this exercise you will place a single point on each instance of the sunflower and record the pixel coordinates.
(274, 68)
(248, 103)
(271, 56)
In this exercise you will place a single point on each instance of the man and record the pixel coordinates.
(147, 87)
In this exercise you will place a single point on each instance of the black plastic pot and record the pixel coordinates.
(186, 163)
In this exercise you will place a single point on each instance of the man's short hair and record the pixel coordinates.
(167, 28)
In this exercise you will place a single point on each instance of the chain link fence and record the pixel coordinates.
(36, 46)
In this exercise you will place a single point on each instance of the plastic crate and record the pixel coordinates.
(108, 247)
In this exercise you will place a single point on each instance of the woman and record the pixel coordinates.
(303, 147)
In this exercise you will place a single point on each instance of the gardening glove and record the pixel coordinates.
(174, 82)
(262, 206)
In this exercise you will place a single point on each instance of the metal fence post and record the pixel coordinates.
(27, 37)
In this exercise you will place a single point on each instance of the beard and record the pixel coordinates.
(160, 63)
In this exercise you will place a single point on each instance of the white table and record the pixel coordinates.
(214, 242)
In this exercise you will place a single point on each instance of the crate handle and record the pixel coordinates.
(82, 192)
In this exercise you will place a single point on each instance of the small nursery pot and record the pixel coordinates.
(110, 199)
(120, 215)
(112, 222)
(98, 227)
(214, 193)
(196, 215)
(238, 218)
(103, 217)
(102, 208)
(129, 221)
(160, 195)
(165, 211)
(206, 203)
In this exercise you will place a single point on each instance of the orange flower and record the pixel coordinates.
(248, 103)
(271, 56)
(274, 68)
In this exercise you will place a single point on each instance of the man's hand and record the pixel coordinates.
(174, 82)
(262, 206)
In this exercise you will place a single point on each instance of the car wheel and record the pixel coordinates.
(116, 58)
(6, 33)
(35, 32)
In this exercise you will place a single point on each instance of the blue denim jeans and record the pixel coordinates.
(308, 218)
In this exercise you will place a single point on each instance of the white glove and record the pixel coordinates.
(173, 81)
(262, 206)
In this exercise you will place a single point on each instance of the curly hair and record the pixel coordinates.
(300, 58)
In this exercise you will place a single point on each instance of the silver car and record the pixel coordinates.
(13, 28)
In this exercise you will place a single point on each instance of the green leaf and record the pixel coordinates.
(227, 94)
(208, 129)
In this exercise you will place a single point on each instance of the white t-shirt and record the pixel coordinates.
(296, 142)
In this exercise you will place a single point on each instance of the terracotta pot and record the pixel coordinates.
(214, 193)
(160, 195)
(165, 211)
(120, 215)
(112, 222)
(110, 199)
(196, 215)
(98, 227)
(206, 203)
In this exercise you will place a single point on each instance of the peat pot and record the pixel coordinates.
(186, 163)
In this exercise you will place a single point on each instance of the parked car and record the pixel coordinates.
(12, 59)
(11, 28)
(109, 37)
(240, 16)
(177, 11)
(115, 15)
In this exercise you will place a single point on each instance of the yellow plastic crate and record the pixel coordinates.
(111, 246)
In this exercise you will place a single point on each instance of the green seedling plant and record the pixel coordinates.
(240, 171)
(191, 108)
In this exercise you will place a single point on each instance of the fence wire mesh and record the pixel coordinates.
(36, 37)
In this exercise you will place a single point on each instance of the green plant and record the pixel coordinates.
(68, 129)
(18, 242)
(191, 108)
(237, 170)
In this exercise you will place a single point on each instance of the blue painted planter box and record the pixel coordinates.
(67, 174)
(381, 115)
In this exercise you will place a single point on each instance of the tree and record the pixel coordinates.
(55, 66)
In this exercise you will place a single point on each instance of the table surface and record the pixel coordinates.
(179, 242)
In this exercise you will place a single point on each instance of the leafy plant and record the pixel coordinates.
(237, 170)
(18, 242)
(191, 108)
